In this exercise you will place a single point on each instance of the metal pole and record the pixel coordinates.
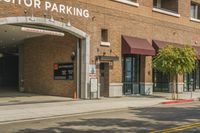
(78, 68)
(191, 88)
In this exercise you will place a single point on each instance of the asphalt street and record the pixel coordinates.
(183, 118)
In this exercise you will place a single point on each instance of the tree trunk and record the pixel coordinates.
(173, 79)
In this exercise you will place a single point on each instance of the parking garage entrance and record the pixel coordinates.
(43, 57)
(21, 61)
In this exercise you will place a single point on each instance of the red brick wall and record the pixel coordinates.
(122, 19)
(39, 56)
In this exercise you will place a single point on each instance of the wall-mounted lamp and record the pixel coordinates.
(93, 18)
(25, 12)
(73, 55)
(97, 61)
(98, 50)
(111, 64)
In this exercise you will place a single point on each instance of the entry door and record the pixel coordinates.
(190, 81)
(195, 77)
(131, 74)
(104, 79)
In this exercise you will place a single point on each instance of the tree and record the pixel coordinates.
(173, 61)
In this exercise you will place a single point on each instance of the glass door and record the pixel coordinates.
(131, 74)
(197, 87)
(189, 82)
(192, 80)
(161, 81)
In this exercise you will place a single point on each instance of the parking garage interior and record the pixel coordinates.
(11, 37)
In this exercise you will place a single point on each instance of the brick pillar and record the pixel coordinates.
(146, 84)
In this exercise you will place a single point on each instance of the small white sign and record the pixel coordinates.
(93, 85)
(92, 71)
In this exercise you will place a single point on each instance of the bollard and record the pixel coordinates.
(74, 95)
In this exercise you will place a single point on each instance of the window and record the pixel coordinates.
(192, 80)
(161, 81)
(128, 2)
(166, 5)
(104, 35)
(131, 74)
(132, 1)
(195, 10)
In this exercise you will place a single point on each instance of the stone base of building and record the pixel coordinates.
(180, 87)
(115, 90)
(146, 88)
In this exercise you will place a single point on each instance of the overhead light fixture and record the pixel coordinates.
(41, 31)
(1, 55)
(32, 18)
(68, 24)
(52, 19)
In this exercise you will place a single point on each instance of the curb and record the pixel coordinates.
(178, 101)
(62, 116)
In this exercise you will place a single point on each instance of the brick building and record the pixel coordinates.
(55, 47)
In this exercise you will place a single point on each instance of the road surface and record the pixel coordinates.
(183, 118)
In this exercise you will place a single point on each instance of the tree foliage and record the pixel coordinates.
(174, 60)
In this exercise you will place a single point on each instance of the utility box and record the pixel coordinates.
(94, 88)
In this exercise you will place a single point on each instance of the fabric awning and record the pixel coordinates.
(135, 45)
(161, 44)
(198, 51)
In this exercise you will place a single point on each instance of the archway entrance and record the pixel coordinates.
(10, 48)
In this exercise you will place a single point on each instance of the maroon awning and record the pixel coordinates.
(198, 51)
(135, 45)
(161, 44)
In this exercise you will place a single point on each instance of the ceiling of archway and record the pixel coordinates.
(12, 35)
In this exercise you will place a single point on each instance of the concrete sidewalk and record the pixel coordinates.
(13, 97)
(184, 95)
(12, 113)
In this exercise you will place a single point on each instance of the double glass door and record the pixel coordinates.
(192, 80)
(131, 74)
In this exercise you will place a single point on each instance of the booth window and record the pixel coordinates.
(104, 35)
(166, 5)
(195, 10)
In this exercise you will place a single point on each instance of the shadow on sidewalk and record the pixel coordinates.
(140, 120)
